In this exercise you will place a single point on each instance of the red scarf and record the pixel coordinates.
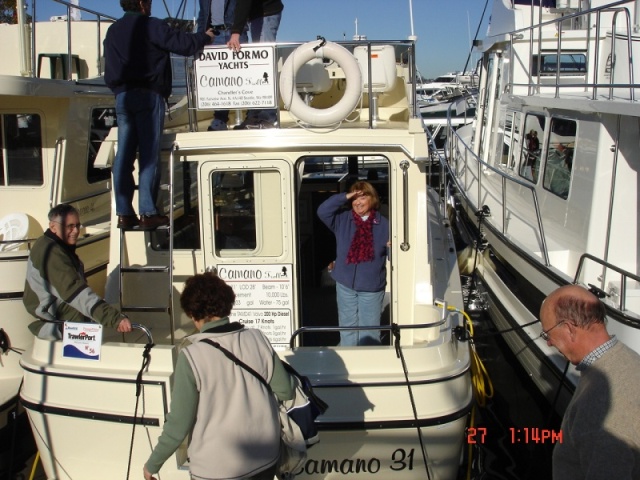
(361, 249)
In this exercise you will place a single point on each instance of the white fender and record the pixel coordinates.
(320, 117)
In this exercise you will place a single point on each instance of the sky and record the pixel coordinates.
(445, 28)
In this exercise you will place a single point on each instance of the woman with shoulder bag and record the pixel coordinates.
(231, 417)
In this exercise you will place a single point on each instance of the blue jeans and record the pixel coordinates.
(359, 309)
(222, 39)
(264, 29)
(140, 114)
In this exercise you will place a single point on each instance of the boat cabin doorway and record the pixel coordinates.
(320, 177)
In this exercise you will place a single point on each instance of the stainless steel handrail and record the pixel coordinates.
(55, 178)
(409, 50)
(303, 330)
(624, 274)
(99, 18)
(615, 8)
(404, 165)
(455, 137)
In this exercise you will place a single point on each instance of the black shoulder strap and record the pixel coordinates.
(237, 361)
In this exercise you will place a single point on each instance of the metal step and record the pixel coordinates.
(145, 269)
(144, 309)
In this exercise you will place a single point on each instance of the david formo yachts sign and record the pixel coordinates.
(227, 80)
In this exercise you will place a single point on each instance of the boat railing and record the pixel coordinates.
(404, 52)
(462, 150)
(564, 79)
(394, 327)
(14, 245)
(624, 275)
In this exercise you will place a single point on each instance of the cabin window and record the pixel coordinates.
(320, 177)
(21, 150)
(559, 162)
(569, 64)
(234, 210)
(531, 148)
(102, 119)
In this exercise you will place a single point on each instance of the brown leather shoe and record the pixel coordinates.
(151, 222)
(127, 222)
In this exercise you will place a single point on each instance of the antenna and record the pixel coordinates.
(357, 36)
(412, 36)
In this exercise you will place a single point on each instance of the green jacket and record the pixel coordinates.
(56, 288)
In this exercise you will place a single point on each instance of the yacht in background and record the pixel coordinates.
(54, 114)
(547, 174)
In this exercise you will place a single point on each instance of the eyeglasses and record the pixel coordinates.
(70, 226)
(545, 333)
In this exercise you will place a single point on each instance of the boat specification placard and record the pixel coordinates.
(264, 298)
(227, 80)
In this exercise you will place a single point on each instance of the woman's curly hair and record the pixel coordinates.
(206, 295)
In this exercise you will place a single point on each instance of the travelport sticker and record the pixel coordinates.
(229, 80)
(263, 298)
(82, 340)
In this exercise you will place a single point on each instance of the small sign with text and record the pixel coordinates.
(236, 80)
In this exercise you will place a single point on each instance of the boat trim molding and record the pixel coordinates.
(75, 413)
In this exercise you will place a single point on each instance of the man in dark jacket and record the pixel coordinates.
(138, 70)
(56, 288)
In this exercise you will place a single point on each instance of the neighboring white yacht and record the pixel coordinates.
(53, 118)
(549, 170)
(243, 203)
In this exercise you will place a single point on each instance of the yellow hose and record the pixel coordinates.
(480, 381)
(33, 467)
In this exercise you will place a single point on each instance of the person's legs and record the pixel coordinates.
(149, 122)
(264, 29)
(122, 170)
(347, 300)
(369, 312)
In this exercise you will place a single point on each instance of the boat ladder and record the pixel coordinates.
(125, 269)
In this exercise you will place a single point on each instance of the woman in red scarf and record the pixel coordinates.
(362, 237)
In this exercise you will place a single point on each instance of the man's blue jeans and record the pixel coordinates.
(140, 114)
(359, 309)
(264, 29)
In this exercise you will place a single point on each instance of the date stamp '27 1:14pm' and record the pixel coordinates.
(518, 435)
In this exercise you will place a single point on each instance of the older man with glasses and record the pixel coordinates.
(56, 289)
(601, 426)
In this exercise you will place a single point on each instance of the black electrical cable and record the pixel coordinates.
(146, 359)
(395, 330)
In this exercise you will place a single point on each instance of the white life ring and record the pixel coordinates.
(320, 117)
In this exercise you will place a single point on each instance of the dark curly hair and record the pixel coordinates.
(206, 295)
